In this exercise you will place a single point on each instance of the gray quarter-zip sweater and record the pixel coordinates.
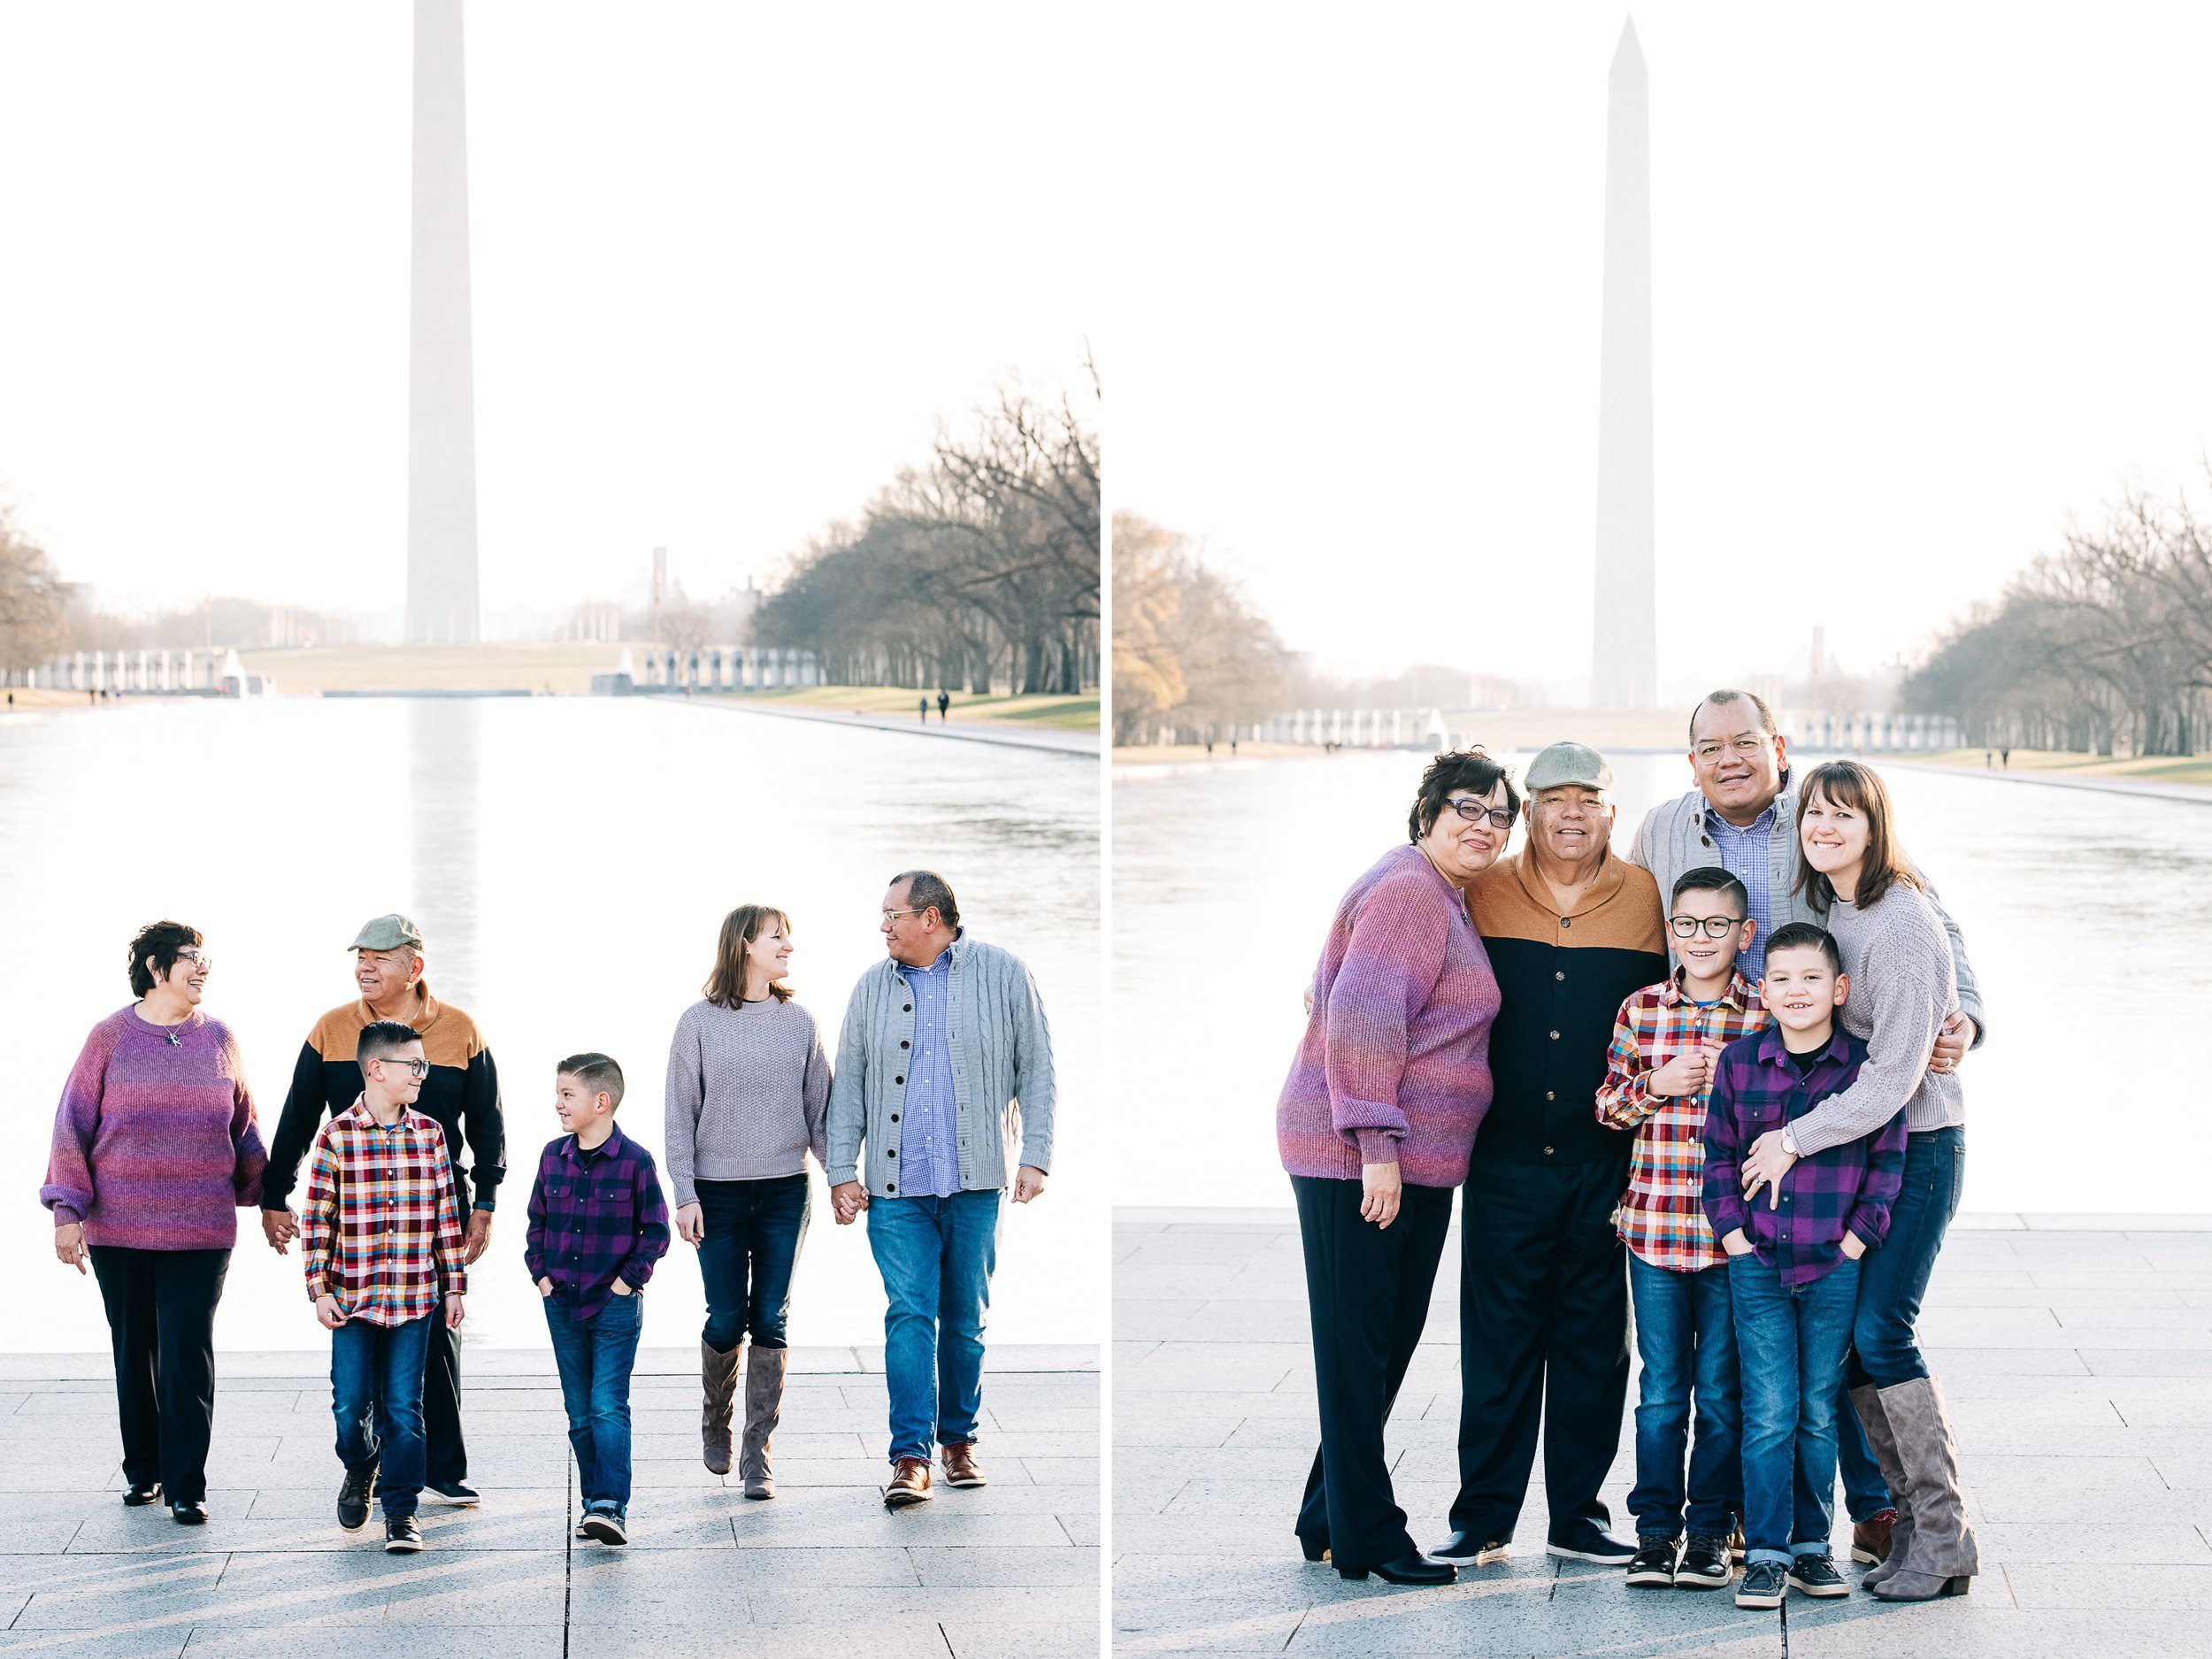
(1002, 1070)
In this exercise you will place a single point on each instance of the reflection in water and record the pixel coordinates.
(561, 917)
(2087, 916)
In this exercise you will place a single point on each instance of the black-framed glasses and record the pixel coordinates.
(1712, 926)
(415, 1068)
(1748, 743)
(192, 954)
(1474, 811)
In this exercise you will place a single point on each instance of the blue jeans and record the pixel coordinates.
(1885, 1342)
(1790, 1344)
(376, 1394)
(753, 1230)
(1686, 1339)
(936, 1257)
(595, 1357)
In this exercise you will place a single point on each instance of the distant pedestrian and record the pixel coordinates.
(155, 1150)
(944, 1068)
(925, 709)
(747, 1098)
(597, 1224)
(2006, 754)
(944, 705)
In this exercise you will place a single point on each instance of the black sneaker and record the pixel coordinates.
(1654, 1565)
(1816, 1575)
(402, 1535)
(353, 1499)
(605, 1526)
(1761, 1586)
(1705, 1565)
(1465, 1549)
(458, 1494)
(1590, 1543)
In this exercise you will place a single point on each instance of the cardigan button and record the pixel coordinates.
(894, 1117)
(898, 1080)
(903, 1043)
(890, 1186)
(893, 1152)
(908, 1009)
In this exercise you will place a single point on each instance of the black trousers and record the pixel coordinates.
(1367, 1290)
(1543, 1326)
(447, 1454)
(161, 1319)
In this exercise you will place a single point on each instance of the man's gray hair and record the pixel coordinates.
(930, 892)
(1724, 695)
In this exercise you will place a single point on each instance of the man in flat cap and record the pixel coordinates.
(1571, 931)
(460, 1090)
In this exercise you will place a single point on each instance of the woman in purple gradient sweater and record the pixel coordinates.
(1376, 1125)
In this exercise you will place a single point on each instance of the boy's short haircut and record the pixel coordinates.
(597, 1073)
(1805, 936)
(382, 1039)
(1713, 878)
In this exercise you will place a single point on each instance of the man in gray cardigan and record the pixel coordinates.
(1742, 816)
(944, 1067)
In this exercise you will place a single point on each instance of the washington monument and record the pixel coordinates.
(440, 382)
(1624, 659)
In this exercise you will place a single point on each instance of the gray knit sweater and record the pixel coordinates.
(747, 1094)
(1902, 988)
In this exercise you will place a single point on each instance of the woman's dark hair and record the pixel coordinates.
(161, 940)
(1852, 785)
(1467, 769)
(726, 986)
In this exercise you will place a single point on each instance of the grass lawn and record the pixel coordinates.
(1065, 713)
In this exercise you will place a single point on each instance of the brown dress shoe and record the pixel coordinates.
(961, 1469)
(909, 1483)
(1869, 1538)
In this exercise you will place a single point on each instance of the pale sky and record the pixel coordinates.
(731, 264)
(1926, 280)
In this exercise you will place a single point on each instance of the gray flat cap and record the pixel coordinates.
(1561, 764)
(387, 932)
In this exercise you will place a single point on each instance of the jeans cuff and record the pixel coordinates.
(1779, 1558)
(1820, 1547)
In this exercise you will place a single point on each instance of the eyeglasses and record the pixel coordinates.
(1749, 743)
(415, 1068)
(205, 962)
(1712, 926)
(1474, 811)
(892, 916)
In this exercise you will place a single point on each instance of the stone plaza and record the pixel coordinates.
(2076, 1353)
(1010, 1569)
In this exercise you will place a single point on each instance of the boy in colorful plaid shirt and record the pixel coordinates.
(597, 1224)
(1794, 1261)
(381, 1231)
(1658, 1075)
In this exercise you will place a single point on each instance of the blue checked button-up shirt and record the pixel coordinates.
(1757, 1087)
(594, 1217)
(929, 1148)
(1743, 854)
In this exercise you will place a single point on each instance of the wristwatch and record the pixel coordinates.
(1789, 1143)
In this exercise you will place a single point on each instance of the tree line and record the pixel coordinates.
(33, 602)
(2106, 643)
(980, 565)
(1189, 652)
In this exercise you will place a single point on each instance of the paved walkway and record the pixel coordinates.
(1052, 738)
(2158, 788)
(1009, 1569)
(2076, 1353)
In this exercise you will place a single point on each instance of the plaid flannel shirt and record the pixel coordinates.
(381, 1227)
(595, 1217)
(1662, 1215)
(1756, 1087)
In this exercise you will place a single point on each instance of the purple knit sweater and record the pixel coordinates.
(155, 1147)
(1395, 1063)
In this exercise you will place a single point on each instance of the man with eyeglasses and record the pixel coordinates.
(944, 1071)
(1742, 816)
(460, 1092)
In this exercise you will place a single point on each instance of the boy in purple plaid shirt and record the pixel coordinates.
(597, 1224)
(1794, 1261)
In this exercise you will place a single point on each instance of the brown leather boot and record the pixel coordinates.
(909, 1483)
(718, 1382)
(1869, 1538)
(763, 1410)
(961, 1469)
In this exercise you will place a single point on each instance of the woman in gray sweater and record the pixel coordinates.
(747, 1099)
(1903, 987)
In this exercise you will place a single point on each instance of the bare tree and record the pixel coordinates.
(33, 602)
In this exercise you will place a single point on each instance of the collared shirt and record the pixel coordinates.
(380, 1226)
(596, 1215)
(1849, 1188)
(929, 1143)
(1743, 854)
(1662, 1215)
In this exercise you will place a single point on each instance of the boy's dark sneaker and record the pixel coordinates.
(402, 1535)
(1816, 1575)
(460, 1496)
(1464, 1549)
(1591, 1542)
(1705, 1565)
(1762, 1585)
(605, 1526)
(1655, 1556)
(353, 1499)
